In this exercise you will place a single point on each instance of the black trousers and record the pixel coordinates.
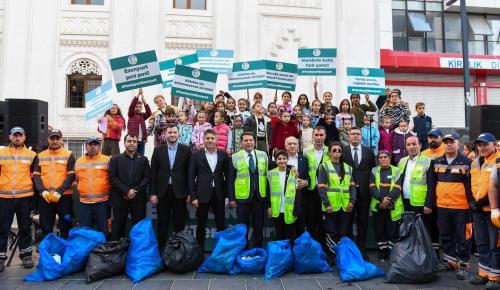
(430, 221)
(361, 211)
(254, 210)
(63, 209)
(137, 210)
(386, 230)
(314, 215)
(284, 231)
(337, 224)
(21, 208)
(455, 229)
(170, 207)
(218, 208)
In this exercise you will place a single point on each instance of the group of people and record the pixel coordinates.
(311, 167)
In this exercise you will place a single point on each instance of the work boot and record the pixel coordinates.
(2, 265)
(462, 272)
(28, 262)
(492, 285)
(444, 267)
(478, 280)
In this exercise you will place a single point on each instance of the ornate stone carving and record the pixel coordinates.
(189, 29)
(293, 3)
(84, 66)
(84, 25)
(187, 45)
(84, 43)
(288, 37)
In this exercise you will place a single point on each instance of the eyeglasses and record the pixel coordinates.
(335, 150)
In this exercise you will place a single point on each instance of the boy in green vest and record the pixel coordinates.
(283, 199)
(386, 203)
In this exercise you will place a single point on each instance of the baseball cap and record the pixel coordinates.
(435, 132)
(55, 132)
(486, 137)
(93, 139)
(452, 136)
(16, 129)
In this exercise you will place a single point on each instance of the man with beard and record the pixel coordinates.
(436, 146)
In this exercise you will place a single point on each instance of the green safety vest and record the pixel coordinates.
(242, 181)
(337, 192)
(312, 163)
(398, 204)
(418, 178)
(275, 187)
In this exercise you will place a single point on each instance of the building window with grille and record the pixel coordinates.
(191, 4)
(87, 2)
(83, 76)
(77, 146)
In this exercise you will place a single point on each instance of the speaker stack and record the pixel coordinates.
(30, 114)
(484, 119)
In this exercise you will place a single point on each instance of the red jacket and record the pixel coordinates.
(135, 120)
(282, 131)
(115, 128)
(385, 142)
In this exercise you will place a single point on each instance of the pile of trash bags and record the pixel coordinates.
(60, 257)
(351, 265)
(413, 259)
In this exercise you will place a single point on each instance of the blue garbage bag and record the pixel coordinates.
(59, 257)
(250, 262)
(143, 258)
(228, 244)
(279, 259)
(351, 265)
(308, 256)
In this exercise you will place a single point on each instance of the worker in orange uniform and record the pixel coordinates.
(93, 185)
(485, 232)
(453, 197)
(54, 172)
(16, 195)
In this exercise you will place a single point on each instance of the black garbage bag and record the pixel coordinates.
(413, 260)
(182, 253)
(107, 260)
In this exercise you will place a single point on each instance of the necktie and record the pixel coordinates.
(356, 159)
(251, 164)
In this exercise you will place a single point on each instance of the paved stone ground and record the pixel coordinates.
(12, 279)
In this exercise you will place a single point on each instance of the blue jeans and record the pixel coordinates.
(94, 215)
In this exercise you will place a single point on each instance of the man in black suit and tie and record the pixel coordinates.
(169, 183)
(362, 160)
(208, 175)
(300, 163)
(129, 177)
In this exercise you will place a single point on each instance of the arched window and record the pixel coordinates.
(83, 76)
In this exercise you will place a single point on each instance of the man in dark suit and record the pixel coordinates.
(248, 186)
(362, 160)
(129, 177)
(208, 175)
(300, 163)
(169, 183)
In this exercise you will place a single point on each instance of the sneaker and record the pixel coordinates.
(28, 262)
(493, 285)
(462, 272)
(478, 280)
(2, 265)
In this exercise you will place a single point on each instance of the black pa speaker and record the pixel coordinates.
(4, 127)
(484, 119)
(32, 116)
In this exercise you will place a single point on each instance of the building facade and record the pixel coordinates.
(58, 50)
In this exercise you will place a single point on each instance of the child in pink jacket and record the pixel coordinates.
(198, 130)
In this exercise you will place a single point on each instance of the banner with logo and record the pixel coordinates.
(248, 75)
(281, 75)
(193, 83)
(317, 61)
(263, 74)
(365, 80)
(98, 101)
(136, 71)
(167, 67)
(216, 60)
